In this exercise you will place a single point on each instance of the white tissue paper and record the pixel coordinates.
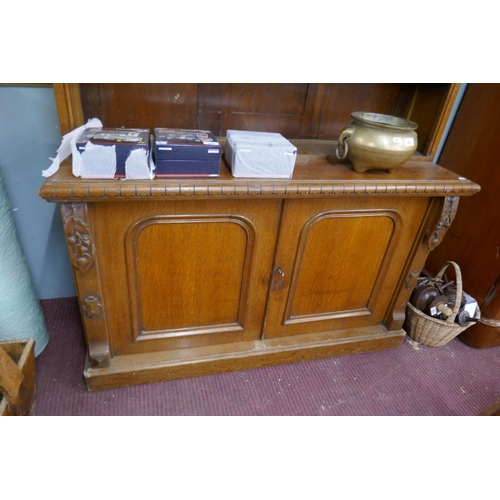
(97, 161)
(137, 165)
(68, 146)
(259, 154)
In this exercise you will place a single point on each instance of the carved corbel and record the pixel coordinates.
(447, 216)
(82, 253)
(80, 247)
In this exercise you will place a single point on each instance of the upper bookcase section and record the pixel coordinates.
(296, 110)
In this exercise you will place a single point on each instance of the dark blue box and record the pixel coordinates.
(186, 153)
(125, 141)
(187, 168)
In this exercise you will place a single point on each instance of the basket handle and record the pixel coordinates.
(450, 319)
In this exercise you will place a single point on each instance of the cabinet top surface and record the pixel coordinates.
(316, 173)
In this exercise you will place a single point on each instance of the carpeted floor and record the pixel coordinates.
(411, 380)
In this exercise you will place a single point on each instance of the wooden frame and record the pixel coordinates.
(17, 377)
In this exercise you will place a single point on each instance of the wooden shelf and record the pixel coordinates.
(317, 174)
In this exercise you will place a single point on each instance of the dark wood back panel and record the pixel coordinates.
(141, 106)
(296, 110)
(339, 100)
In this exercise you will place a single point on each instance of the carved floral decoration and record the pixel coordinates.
(78, 236)
(447, 217)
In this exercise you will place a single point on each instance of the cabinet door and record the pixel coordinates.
(179, 274)
(339, 261)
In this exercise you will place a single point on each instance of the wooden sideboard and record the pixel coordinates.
(181, 278)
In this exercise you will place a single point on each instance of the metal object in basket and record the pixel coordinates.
(436, 332)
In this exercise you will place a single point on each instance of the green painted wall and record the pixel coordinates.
(29, 135)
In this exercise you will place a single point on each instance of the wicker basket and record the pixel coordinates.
(432, 331)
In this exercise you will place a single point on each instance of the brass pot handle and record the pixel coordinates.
(345, 134)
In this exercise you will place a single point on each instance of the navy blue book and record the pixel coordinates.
(186, 152)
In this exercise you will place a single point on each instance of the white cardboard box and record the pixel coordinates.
(259, 154)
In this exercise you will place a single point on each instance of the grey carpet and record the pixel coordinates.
(411, 380)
